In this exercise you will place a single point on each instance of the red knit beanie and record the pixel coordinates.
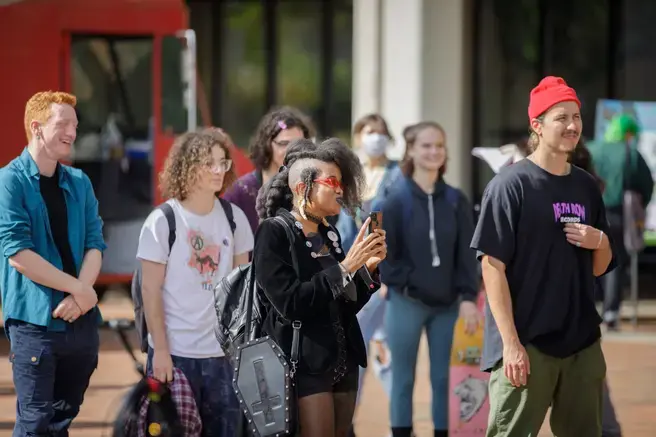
(550, 90)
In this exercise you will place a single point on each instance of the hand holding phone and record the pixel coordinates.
(369, 250)
(376, 221)
(376, 227)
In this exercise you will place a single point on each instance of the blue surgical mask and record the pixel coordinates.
(374, 144)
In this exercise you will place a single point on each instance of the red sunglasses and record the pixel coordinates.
(331, 182)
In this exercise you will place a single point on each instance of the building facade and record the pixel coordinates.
(255, 54)
(467, 64)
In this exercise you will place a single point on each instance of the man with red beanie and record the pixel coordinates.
(542, 237)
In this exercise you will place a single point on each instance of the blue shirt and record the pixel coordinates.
(24, 225)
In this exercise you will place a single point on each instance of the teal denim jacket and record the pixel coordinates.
(24, 225)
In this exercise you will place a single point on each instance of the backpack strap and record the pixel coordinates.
(227, 208)
(170, 218)
(137, 298)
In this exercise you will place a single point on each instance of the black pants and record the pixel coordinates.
(51, 373)
(614, 281)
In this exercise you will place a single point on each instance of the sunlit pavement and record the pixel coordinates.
(631, 362)
(630, 356)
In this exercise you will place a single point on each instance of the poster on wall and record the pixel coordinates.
(645, 114)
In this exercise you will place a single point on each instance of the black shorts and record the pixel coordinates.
(307, 385)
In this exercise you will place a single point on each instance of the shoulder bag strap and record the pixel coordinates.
(296, 324)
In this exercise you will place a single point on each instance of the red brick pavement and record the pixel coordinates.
(631, 371)
(631, 362)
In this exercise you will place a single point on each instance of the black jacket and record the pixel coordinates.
(308, 299)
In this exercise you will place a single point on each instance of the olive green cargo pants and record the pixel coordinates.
(572, 386)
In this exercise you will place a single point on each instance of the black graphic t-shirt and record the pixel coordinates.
(552, 286)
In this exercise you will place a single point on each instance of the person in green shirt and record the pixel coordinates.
(610, 162)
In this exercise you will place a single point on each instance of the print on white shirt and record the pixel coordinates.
(202, 254)
(204, 258)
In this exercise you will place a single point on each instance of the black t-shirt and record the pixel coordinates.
(53, 196)
(551, 281)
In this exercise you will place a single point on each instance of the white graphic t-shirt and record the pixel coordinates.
(201, 255)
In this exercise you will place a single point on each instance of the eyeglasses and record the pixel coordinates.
(283, 143)
(331, 182)
(221, 167)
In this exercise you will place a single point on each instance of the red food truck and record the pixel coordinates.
(132, 66)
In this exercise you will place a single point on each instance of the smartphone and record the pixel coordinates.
(376, 221)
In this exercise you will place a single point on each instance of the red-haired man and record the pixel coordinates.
(51, 242)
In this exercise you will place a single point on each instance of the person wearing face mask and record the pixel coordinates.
(374, 145)
(371, 139)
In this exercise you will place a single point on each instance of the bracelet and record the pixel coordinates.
(601, 236)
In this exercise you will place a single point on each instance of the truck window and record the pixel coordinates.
(112, 79)
(174, 113)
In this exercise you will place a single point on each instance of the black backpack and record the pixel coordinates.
(240, 308)
(137, 299)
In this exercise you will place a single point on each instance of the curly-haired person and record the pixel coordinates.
(276, 130)
(330, 286)
(177, 285)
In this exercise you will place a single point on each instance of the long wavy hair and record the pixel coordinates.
(276, 193)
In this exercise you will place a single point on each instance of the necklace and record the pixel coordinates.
(311, 217)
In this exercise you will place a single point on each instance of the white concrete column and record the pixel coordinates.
(366, 58)
(401, 86)
(422, 71)
(447, 81)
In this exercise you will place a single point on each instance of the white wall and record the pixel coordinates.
(402, 44)
(366, 57)
(412, 62)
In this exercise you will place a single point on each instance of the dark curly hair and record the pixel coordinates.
(269, 128)
(276, 193)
